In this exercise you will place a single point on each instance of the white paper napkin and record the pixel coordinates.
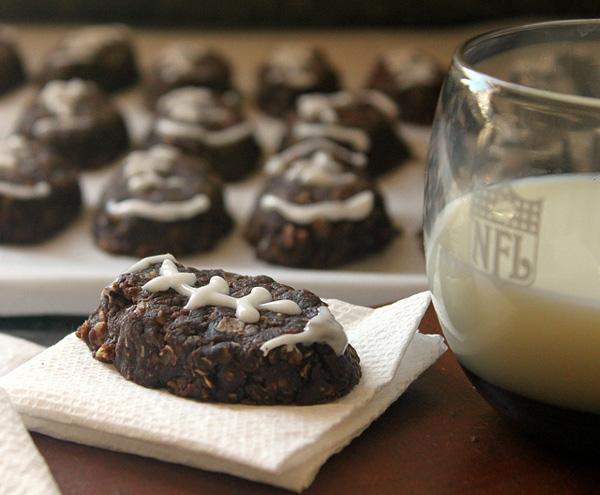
(14, 351)
(67, 394)
(23, 471)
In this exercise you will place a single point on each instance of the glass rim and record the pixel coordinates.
(460, 59)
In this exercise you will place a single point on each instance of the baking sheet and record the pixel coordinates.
(66, 274)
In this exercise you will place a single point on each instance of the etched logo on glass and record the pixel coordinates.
(504, 234)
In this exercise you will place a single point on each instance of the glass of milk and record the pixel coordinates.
(512, 224)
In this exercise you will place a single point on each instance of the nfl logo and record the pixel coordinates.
(504, 234)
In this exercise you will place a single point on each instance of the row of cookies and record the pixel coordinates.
(202, 117)
(78, 122)
(318, 207)
(106, 54)
(358, 118)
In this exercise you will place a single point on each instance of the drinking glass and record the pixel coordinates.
(512, 224)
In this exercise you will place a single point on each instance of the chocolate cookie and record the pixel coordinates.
(319, 213)
(220, 337)
(12, 71)
(103, 54)
(182, 65)
(78, 121)
(291, 71)
(363, 121)
(161, 200)
(39, 195)
(211, 125)
(413, 79)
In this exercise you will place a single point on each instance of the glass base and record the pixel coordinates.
(576, 431)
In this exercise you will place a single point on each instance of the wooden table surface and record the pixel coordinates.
(438, 437)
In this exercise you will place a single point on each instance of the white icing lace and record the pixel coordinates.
(277, 164)
(216, 293)
(355, 208)
(323, 328)
(411, 67)
(324, 107)
(61, 97)
(321, 169)
(20, 191)
(164, 211)
(13, 148)
(176, 60)
(216, 138)
(143, 170)
(292, 66)
(193, 105)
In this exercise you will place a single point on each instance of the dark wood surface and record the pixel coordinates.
(439, 437)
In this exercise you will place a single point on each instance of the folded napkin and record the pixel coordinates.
(23, 471)
(15, 351)
(67, 394)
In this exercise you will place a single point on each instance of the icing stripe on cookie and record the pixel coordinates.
(166, 211)
(356, 208)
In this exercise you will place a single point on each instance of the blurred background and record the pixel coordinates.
(289, 13)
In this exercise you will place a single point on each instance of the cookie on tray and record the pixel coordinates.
(319, 213)
(363, 121)
(413, 79)
(39, 195)
(12, 71)
(208, 124)
(217, 336)
(161, 200)
(102, 53)
(290, 71)
(79, 121)
(190, 64)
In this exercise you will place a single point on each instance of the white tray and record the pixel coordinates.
(66, 274)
